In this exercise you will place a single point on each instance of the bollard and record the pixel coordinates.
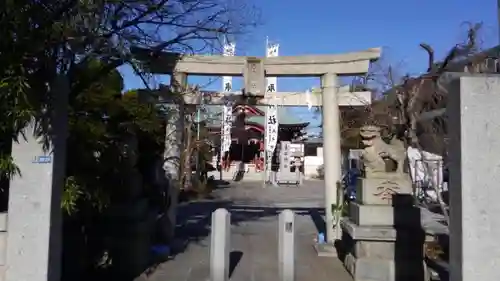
(286, 247)
(219, 245)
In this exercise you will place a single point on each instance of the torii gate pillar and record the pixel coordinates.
(331, 151)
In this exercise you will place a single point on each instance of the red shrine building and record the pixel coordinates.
(248, 131)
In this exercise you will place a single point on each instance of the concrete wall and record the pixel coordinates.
(312, 163)
(3, 244)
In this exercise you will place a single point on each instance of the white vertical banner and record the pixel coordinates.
(272, 122)
(229, 50)
(227, 124)
(272, 125)
(227, 110)
(271, 51)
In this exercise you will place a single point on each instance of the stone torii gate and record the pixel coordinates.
(255, 69)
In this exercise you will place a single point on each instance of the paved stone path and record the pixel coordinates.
(254, 234)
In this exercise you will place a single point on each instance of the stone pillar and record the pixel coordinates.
(331, 150)
(173, 149)
(286, 246)
(474, 136)
(34, 216)
(220, 245)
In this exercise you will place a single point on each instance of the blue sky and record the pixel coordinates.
(329, 26)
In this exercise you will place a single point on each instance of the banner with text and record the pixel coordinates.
(229, 50)
(272, 51)
(227, 110)
(227, 124)
(272, 125)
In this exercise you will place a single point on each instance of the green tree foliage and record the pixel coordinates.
(101, 121)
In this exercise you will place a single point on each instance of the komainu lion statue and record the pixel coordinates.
(379, 157)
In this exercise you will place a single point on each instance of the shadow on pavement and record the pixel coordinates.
(220, 184)
(194, 219)
(234, 259)
(317, 217)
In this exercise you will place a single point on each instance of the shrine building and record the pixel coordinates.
(248, 130)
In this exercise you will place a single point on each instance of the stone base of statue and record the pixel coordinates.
(382, 237)
(379, 189)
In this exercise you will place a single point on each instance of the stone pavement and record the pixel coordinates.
(254, 232)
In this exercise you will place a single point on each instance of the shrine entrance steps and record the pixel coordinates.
(236, 173)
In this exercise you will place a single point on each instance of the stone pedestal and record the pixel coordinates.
(380, 190)
(382, 237)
